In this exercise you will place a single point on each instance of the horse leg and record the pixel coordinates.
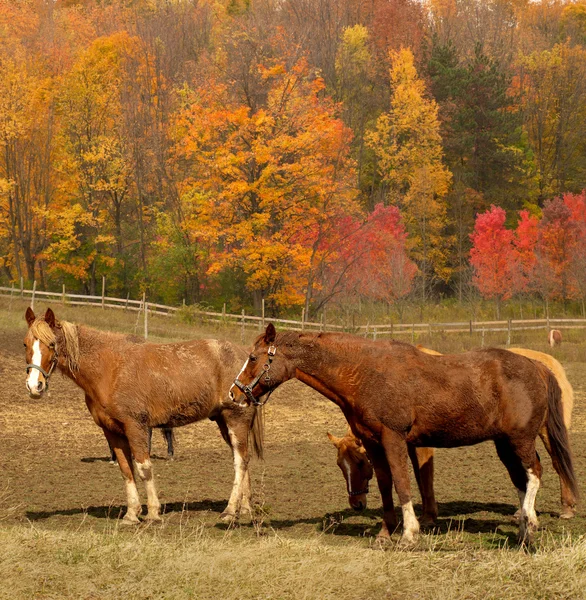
(422, 460)
(121, 448)
(384, 480)
(568, 499)
(234, 428)
(168, 433)
(139, 443)
(524, 469)
(397, 456)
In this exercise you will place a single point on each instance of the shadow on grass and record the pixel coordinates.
(95, 459)
(115, 512)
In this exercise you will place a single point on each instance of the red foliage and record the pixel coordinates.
(493, 255)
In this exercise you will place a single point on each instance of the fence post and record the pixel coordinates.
(103, 289)
(482, 342)
(22, 287)
(303, 319)
(11, 294)
(509, 334)
(470, 327)
(224, 315)
(430, 331)
(413, 334)
(374, 333)
(146, 315)
(324, 319)
(263, 315)
(33, 296)
(367, 326)
(242, 328)
(127, 298)
(63, 294)
(321, 322)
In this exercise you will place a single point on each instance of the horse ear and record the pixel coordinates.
(29, 316)
(50, 318)
(270, 334)
(335, 440)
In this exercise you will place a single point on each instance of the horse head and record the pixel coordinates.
(265, 369)
(355, 466)
(40, 344)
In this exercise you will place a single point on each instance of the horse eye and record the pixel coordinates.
(252, 358)
(360, 464)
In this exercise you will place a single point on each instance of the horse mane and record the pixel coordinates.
(70, 347)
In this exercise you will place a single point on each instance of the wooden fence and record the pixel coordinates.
(258, 322)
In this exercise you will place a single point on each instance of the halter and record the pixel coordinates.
(46, 374)
(359, 492)
(247, 389)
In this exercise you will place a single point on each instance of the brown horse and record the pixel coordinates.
(130, 387)
(357, 470)
(393, 395)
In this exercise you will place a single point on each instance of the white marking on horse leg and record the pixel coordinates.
(528, 510)
(410, 523)
(234, 503)
(230, 392)
(133, 507)
(145, 472)
(32, 380)
(246, 494)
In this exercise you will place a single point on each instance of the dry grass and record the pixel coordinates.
(143, 564)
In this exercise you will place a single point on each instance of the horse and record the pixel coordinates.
(169, 439)
(130, 387)
(355, 466)
(357, 470)
(392, 395)
(554, 338)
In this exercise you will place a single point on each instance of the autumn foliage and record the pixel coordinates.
(302, 153)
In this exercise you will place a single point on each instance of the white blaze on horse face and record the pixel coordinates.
(32, 381)
(348, 473)
(230, 392)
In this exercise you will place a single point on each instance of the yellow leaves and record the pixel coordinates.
(265, 178)
(408, 146)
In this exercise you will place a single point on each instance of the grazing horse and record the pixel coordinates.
(131, 387)
(555, 338)
(357, 470)
(393, 395)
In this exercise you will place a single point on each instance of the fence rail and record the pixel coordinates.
(253, 321)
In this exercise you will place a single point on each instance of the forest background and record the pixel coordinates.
(310, 153)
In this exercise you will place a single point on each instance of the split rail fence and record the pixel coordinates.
(258, 322)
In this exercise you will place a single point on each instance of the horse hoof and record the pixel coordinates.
(228, 517)
(407, 542)
(153, 519)
(130, 520)
(567, 512)
(428, 522)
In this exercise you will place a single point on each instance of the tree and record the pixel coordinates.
(261, 179)
(408, 146)
(493, 256)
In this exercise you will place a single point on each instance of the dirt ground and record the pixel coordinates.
(55, 472)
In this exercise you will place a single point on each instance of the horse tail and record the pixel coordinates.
(257, 431)
(557, 433)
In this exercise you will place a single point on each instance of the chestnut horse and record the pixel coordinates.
(357, 470)
(130, 387)
(393, 395)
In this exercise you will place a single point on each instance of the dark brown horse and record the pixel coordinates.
(393, 395)
(130, 387)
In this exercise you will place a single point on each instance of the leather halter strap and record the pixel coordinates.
(359, 492)
(48, 373)
(247, 389)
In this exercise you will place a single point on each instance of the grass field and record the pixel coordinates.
(60, 503)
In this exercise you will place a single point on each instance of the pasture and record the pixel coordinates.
(60, 503)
